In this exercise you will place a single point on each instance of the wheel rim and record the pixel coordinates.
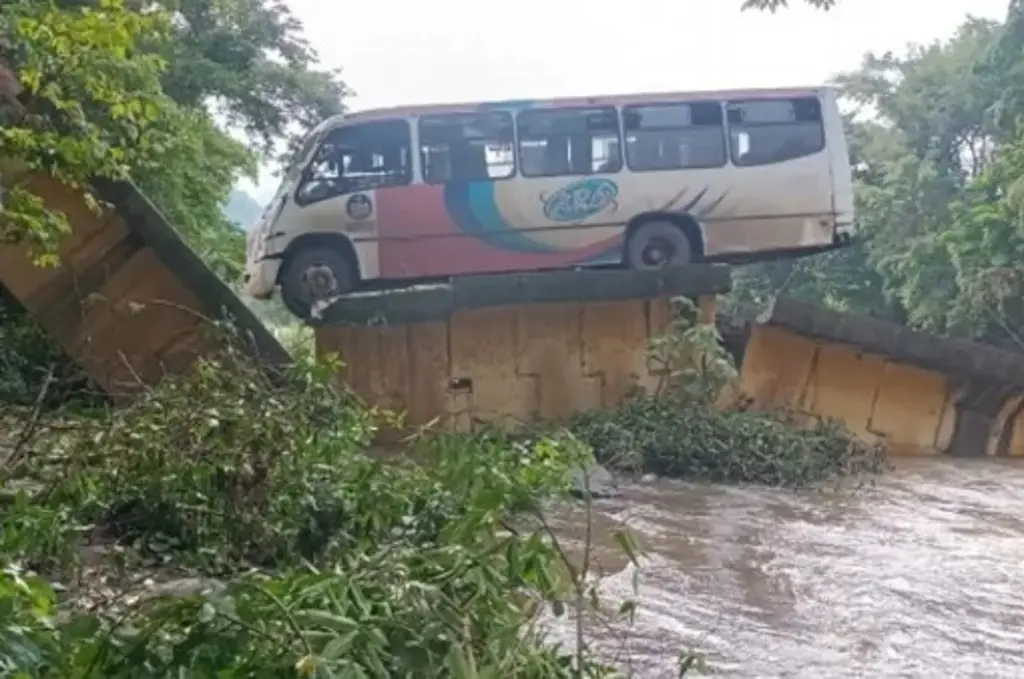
(319, 282)
(658, 252)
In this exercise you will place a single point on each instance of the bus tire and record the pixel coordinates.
(657, 244)
(311, 274)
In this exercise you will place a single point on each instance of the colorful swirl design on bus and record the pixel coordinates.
(580, 200)
(475, 210)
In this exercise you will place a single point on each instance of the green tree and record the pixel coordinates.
(936, 159)
(985, 243)
(249, 60)
(931, 140)
(1002, 69)
(95, 112)
(142, 90)
(92, 103)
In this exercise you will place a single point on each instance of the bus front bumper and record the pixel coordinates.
(260, 279)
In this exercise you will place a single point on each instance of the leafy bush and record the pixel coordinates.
(263, 538)
(681, 431)
(379, 619)
(237, 521)
(680, 439)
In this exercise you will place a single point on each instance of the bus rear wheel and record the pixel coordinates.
(313, 274)
(657, 244)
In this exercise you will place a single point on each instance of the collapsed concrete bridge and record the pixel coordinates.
(130, 302)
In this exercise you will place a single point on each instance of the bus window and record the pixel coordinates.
(358, 158)
(569, 141)
(773, 130)
(466, 147)
(674, 136)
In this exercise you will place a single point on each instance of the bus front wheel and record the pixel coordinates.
(313, 274)
(657, 244)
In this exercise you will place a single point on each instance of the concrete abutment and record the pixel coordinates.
(513, 349)
(128, 300)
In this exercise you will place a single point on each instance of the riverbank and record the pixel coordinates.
(235, 519)
(268, 539)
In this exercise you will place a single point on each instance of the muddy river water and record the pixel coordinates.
(920, 576)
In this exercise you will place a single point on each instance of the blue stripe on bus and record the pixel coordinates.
(474, 209)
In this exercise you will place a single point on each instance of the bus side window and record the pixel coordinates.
(673, 136)
(358, 157)
(769, 131)
(466, 147)
(569, 141)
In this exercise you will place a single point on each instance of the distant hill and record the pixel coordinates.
(242, 209)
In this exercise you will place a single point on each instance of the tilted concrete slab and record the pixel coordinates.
(905, 345)
(510, 349)
(130, 301)
(917, 392)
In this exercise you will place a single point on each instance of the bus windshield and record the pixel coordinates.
(358, 158)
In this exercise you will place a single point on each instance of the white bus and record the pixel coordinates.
(641, 181)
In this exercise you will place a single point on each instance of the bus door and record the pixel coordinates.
(455, 222)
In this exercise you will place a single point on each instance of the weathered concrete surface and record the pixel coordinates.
(510, 349)
(920, 393)
(438, 302)
(130, 302)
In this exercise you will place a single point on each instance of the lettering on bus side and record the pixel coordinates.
(581, 199)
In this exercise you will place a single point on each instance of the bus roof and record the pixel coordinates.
(598, 100)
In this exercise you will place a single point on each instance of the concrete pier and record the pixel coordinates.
(510, 349)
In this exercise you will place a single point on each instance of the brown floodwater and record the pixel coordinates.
(920, 576)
